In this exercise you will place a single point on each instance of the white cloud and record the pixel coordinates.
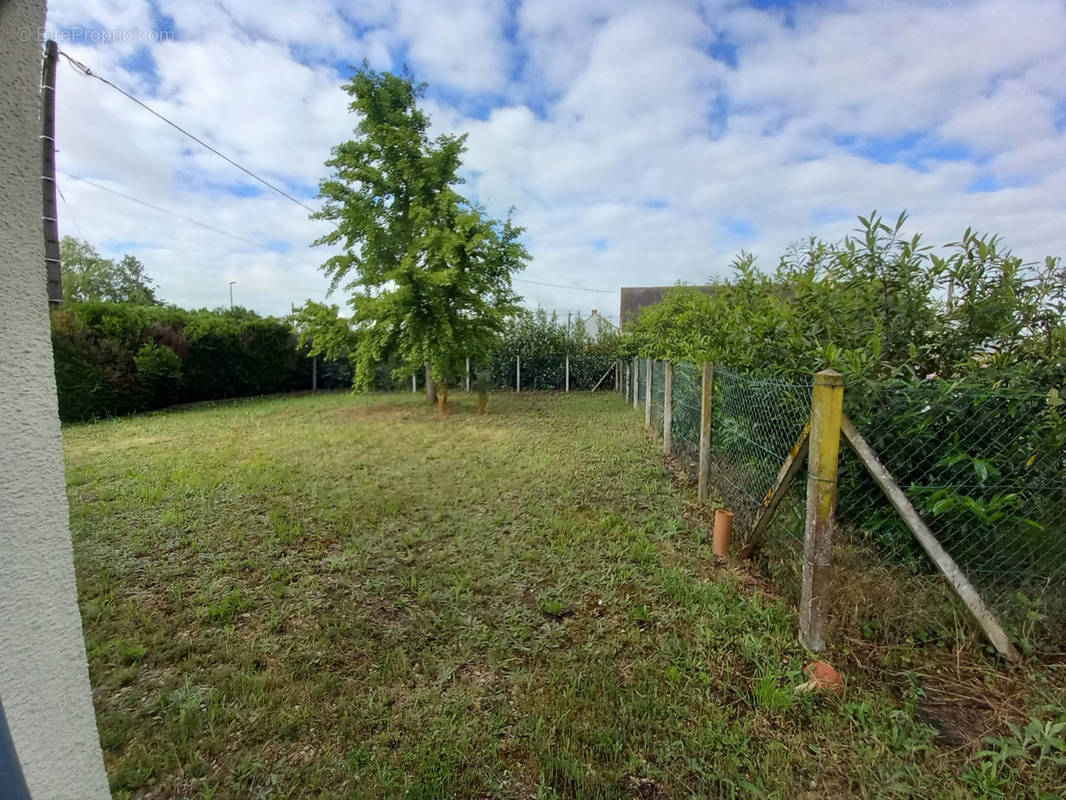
(632, 154)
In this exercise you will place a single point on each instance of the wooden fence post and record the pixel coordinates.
(468, 374)
(568, 372)
(647, 392)
(518, 373)
(636, 382)
(706, 407)
(827, 410)
(668, 408)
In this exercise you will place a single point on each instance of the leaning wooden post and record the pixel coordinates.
(636, 382)
(668, 409)
(568, 372)
(944, 562)
(827, 410)
(706, 407)
(518, 373)
(647, 392)
(468, 374)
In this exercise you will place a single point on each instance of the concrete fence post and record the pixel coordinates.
(468, 374)
(568, 372)
(668, 408)
(414, 384)
(518, 373)
(648, 367)
(827, 410)
(706, 409)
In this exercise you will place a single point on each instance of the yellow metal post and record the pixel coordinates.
(827, 410)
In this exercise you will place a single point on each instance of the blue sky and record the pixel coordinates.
(639, 143)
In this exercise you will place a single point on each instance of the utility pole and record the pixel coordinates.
(231, 294)
(53, 267)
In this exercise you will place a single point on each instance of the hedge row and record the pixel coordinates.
(117, 358)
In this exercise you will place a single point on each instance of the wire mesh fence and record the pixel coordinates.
(754, 424)
(658, 375)
(688, 385)
(985, 471)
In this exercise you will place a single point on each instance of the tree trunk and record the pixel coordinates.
(442, 397)
(431, 387)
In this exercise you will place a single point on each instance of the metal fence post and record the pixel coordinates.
(706, 407)
(647, 392)
(827, 409)
(636, 382)
(568, 372)
(668, 409)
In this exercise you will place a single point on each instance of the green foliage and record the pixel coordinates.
(954, 365)
(542, 341)
(158, 372)
(324, 332)
(429, 273)
(875, 308)
(116, 358)
(89, 276)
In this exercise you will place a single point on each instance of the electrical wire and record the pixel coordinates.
(166, 211)
(561, 286)
(86, 71)
(70, 211)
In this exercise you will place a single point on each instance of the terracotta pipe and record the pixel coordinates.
(723, 532)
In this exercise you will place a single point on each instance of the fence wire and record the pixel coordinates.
(754, 424)
(658, 393)
(688, 387)
(642, 382)
(985, 471)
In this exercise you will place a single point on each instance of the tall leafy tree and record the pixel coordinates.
(89, 276)
(429, 272)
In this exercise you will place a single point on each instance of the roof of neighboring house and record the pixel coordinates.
(591, 324)
(634, 298)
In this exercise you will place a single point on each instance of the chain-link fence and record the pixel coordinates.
(688, 384)
(986, 472)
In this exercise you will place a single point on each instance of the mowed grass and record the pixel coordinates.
(351, 596)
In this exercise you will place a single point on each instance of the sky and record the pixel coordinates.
(639, 143)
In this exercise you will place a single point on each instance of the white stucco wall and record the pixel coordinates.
(44, 680)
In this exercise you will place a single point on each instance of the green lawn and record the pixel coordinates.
(350, 596)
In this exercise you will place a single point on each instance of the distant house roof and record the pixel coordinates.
(592, 324)
(634, 298)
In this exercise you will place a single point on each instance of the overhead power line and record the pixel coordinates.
(166, 211)
(88, 72)
(561, 286)
(84, 70)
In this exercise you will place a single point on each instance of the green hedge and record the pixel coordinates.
(118, 358)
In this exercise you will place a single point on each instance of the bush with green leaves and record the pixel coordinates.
(543, 342)
(954, 364)
(117, 358)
